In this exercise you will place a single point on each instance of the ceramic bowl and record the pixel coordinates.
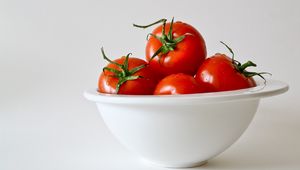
(181, 130)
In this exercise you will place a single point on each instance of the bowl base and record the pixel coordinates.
(162, 165)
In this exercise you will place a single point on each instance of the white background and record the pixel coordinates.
(50, 53)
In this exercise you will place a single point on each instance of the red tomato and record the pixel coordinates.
(219, 73)
(137, 79)
(178, 84)
(181, 49)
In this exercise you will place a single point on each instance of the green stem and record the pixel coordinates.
(116, 72)
(168, 42)
(136, 69)
(107, 59)
(242, 67)
(157, 52)
(232, 54)
(170, 34)
(146, 26)
(245, 65)
(123, 74)
(125, 64)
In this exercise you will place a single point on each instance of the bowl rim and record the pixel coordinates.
(263, 89)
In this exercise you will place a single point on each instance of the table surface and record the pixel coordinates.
(54, 136)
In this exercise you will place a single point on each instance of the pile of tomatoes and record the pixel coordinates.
(176, 63)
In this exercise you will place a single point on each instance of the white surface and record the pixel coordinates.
(181, 130)
(50, 53)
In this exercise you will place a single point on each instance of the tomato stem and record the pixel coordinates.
(232, 54)
(123, 74)
(242, 67)
(146, 26)
(167, 40)
(245, 65)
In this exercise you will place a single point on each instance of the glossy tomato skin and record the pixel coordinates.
(186, 57)
(178, 84)
(217, 73)
(140, 86)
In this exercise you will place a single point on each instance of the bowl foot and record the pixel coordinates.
(179, 165)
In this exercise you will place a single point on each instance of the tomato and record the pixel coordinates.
(181, 50)
(178, 84)
(127, 76)
(221, 73)
(218, 73)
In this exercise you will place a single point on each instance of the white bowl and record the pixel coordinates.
(181, 130)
